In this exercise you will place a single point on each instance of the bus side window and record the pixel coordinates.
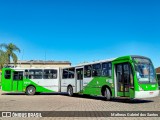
(46, 74)
(87, 71)
(96, 69)
(50, 74)
(106, 69)
(35, 74)
(26, 73)
(119, 73)
(17, 75)
(54, 74)
(71, 72)
(126, 73)
(8, 74)
(65, 74)
(80, 74)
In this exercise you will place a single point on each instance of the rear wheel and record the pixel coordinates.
(70, 91)
(107, 94)
(30, 90)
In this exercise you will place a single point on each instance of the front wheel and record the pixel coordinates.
(107, 94)
(70, 91)
(30, 90)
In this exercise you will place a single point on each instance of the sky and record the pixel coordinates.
(81, 30)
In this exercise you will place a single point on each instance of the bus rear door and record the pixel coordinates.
(79, 80)
(17, 81)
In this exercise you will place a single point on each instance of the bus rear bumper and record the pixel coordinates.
(146, 94)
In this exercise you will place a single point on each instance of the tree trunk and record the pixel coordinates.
(8, 62)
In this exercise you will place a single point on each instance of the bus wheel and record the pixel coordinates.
(107, 94)
(70, 91)
(30, 90)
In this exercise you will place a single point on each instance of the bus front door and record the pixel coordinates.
(7, 80)
(79, 80)
(123, 75)
(17, 81)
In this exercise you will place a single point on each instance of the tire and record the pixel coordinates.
(107, 94)
(30, 90)
(70, 91)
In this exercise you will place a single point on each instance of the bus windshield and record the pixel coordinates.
(144, 70)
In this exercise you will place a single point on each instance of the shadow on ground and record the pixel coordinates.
(121, 100)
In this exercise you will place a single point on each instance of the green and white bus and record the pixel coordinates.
(30, 81)
(127, 76)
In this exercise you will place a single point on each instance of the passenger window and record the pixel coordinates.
(26, 72)
(79, 74)
(17, 75)
(8, 74)
(65, 73)
(96, 70)
(71, 72)
(107, 69)
(35, 74)
(119, 73)
(126, 73)
(87, 71)
(50, 74)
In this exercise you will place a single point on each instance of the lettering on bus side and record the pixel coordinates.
(26, 83)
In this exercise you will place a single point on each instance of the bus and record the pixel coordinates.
(31, 81)
(158, 77)
(127, 76)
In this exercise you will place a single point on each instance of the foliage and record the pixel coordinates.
(8, 53)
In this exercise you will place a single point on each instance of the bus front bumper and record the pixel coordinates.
(146, 94)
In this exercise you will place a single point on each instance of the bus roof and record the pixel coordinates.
(88, 63)
(128, 57)
(99, 61)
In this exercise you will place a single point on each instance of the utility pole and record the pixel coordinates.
(45, 57)
(22, 57)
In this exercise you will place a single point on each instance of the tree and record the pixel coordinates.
(3, 58)
(9, 52)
